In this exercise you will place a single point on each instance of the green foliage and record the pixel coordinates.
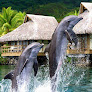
(2, 60)
(9, 20)
(68, 59)
(74, 11)
(58, 10)
(21, 5)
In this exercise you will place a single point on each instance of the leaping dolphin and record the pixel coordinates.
(26, 62)
(58, 45)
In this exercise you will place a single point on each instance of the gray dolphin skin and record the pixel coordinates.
(27, 61)
(58, 45)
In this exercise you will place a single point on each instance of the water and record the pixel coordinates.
(71, 79)
(4, 69)
(5, 85)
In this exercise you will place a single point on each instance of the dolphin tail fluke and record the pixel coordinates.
(10, 75)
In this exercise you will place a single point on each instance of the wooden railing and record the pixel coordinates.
(16, 50)
(9, 49)
(79, 51)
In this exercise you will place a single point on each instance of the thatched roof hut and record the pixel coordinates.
(83, 29)
(85, 25)
(35, 27)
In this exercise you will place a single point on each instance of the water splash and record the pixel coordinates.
(46, 87)
(5, 86)
(68, 76)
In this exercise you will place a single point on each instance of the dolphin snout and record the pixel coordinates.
(80, 18)
(42, 45)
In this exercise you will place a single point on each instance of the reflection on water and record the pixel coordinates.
(71, 79)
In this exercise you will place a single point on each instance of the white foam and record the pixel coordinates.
(44, 88)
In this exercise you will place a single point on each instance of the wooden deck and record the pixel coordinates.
(16, 50)
(79, 51)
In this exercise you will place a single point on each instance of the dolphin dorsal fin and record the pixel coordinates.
(10, 75)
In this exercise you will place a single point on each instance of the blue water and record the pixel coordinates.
(71, 79)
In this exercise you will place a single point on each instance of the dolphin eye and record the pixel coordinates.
(30, 49)
(69, 21)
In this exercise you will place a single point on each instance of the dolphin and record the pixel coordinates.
(58, 45)
(26, 62)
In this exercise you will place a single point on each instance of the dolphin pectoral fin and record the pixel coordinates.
(70, 31)
(25, 63)
(10, 75)
(35, 66)
(73, 37)
(68, 36)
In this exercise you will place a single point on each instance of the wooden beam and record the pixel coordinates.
(88, 41)
(69, 51)
(11, 54)
(18, 54)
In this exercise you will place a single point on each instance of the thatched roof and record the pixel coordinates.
(35, 27)
(85, 25)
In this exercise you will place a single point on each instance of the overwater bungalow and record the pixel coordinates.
(36, 28)
(83, 29)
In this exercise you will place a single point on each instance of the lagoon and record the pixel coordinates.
(71, 79)
(4, 69)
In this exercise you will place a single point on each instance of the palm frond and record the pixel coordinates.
(4, 13)
(10, 19)
(6, 26)
(19, 17)
(2, 20)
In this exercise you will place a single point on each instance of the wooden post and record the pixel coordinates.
(1, 49)
(81, 9)
(88, 43)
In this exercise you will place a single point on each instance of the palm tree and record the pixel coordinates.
(9, 20)
(73, 13)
